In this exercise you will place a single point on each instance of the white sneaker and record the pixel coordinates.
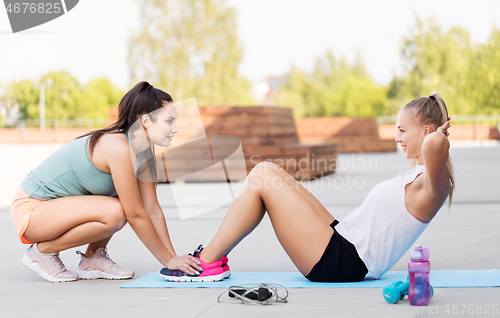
(49, 266)
(101, 266)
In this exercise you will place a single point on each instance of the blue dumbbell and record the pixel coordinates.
(397, 291)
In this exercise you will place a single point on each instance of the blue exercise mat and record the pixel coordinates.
(439, 278)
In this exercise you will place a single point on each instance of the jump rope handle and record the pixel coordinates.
(262, 293)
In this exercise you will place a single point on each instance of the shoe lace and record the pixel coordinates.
(197, 251)
(105, 257)
(57, 261)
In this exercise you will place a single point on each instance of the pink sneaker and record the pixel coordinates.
(49, 266)
(224, 260)
(225, 267)
(212, 272)
(101, 266)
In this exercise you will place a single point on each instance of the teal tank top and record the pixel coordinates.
(68, 172)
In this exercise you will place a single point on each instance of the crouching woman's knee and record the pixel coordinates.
(114, 217)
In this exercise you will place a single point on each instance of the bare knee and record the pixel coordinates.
(265, 175)
(114, 216)
(264, 169)
(259, 172)
(266, 166)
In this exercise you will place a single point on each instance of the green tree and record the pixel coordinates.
(484, 80)
(293, 94)
(66, 98)
(27, 98)
(360, 97)
(434, 61)
(335, 88)
(99, 96)
(61, 98)
(189, 48)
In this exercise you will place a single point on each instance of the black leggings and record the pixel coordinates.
(339, 263)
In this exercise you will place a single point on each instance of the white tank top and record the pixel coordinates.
(382, 229)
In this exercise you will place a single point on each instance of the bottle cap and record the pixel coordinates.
(417, 254)
(420, 253)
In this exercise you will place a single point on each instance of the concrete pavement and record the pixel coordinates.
(466, 237)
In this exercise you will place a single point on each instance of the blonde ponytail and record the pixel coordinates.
(444, 119)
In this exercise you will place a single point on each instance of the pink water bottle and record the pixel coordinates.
(419, 291)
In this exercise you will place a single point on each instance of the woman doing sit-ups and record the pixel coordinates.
(371, 238)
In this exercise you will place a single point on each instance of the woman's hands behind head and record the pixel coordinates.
(444, 127)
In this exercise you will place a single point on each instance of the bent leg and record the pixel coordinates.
(63, 223)
(306, 194)
(300, 229)
(93, 247)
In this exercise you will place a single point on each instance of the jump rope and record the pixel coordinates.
(259, 294)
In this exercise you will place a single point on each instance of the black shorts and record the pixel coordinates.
(340, 262)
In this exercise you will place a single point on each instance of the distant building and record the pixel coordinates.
(263, 91)
(259, 91)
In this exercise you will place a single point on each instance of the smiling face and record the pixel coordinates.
(410, 134)
(162, 130)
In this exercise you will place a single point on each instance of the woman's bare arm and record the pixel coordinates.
(155, 213)
(125, 181)
(435, 151)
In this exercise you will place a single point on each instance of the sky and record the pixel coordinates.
(91, 40)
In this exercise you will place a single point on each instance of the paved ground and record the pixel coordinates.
(466, 237)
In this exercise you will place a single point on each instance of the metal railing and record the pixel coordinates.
(463, 119)
(475, 120)
(101, 122)
(55, 123)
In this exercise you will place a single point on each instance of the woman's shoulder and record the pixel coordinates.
(118, 150)
(114, 138)
(112, 146)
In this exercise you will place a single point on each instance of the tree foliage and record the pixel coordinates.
(435, 61)
(484, 77)
(334, 89)
(99, 96)
(189, 48)
(65, 98)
